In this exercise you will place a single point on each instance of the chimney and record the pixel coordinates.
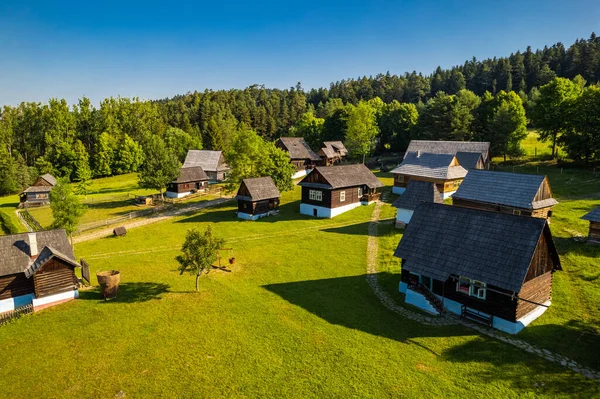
(33, 247)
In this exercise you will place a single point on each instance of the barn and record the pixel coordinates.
(594, 218)
(416, 192)
(190, 180)
(490, 267)
(332, 152)
(39, 192)
(36, 269)
(442, 169)
(514, 193)
(330, 190)
(212, 163)
(301, 156)
(452, 148)
(257, 197)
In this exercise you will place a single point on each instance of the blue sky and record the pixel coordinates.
(160, 49)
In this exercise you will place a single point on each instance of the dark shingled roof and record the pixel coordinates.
(435, 166)
(298, 149)
(503, 188)
(336, 146)
(15, 254)
(449, 147)
(468, 160)
(593, 215)
(45, 255)
(416, 192)
(193, 173)
(492, 247)
(260, 188)
(208, 160)
(344, 176)
(49, 178)
(38, 189)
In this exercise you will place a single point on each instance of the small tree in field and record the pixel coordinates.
(66, 208)
(198, 252)
(160, 166)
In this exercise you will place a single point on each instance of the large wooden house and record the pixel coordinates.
(489, 267)
(594, 218)
(452, 148)
(332, 152)
(416, 192)
(441, 169)
(514, 193)
(212, 163)
(257, 197)
(330, 190)
(301, 156)
(39, 192)
(36, 269)
(190, 180)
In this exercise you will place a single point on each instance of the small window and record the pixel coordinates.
(400, 178)
(315, 195)
(464, 285)
(342, 196)
(360, 192)
(471, 287)
(516, 212)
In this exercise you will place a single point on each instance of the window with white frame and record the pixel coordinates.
(471, 287)
(315, 195)
(342, 196)
(360, 192)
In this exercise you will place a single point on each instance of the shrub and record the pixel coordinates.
(7, 224)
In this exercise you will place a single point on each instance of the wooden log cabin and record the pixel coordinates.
(39, 192)
(257, 197)
(332, 152)
(301, 156)
(36, 269)
(441, 169)
(453, 148)
(416, 192)
(330, 190)
(212, 163)
(490, 267)
(514, 193)
(594, 233)
(190, 180)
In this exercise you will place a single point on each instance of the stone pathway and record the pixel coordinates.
(449, 319)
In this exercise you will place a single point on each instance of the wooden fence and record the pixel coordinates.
(33, 224)
(15, 314)
(119, 219)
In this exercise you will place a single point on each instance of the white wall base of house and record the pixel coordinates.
(403, 217)
(323, 212)
(448, 195)
(299, 174)
(6, 305)
(247, 216)
(47, 301)
(416, 299)
(398, 190)
(171, 194)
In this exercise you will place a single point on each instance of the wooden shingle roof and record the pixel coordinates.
(49, 178)
(46, 255)
(469, 160)
(492, 247)
(15, 250)
(416, 192)
(504, 188)
(593, 215)
(210, 161)
(434, 166)
(336, 146)
(341, 176)
(259, 188)
(449, 147)
(191, 174)
(298, 149)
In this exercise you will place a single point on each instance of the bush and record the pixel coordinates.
(7, 224)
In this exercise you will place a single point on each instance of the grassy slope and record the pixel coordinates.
(295, 318)
(8, 205)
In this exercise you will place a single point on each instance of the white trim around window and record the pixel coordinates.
(342, 196)
(315, 195)
(471, 287)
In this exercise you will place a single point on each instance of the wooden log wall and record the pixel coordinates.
(53, 278)
(15, 285)
(537, 290)
(594, 234)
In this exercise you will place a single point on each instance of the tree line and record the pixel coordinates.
(488, 100)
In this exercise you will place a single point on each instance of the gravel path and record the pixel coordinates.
(388, 302)
(153, 218)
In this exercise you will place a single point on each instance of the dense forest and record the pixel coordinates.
(553, 89)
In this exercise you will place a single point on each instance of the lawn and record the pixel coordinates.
(295, 317)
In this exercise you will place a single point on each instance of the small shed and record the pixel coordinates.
(257, 197)
(301, 156)
(416, 192)
(191, 179)
(332, 152)
(120, 231)
(39, 192)
(594, 218)
(212, 163)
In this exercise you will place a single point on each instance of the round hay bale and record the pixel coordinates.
(109, 283)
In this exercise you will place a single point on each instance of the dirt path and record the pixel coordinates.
(388, 302)
(153, 218)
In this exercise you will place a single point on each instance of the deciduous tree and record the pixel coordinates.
(198, 252)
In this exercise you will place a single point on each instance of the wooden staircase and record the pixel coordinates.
(430, 296)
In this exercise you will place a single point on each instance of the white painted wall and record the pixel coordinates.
(299, 174)
(448, 195)
(323, 212)
(55, 298)
(9, 304)
(171, 194)
(247, 216)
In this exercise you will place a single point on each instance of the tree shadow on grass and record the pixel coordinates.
(130, 292)
(508, 361)
(228, 213)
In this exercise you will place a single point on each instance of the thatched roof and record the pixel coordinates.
(297, 148)
(416, 192)
(593, 215)
(492, 247)
(191, 174)
(259, 188)
(504, 188)
(435, 166)
(449, 147)
(210, 161)
(343, 176)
